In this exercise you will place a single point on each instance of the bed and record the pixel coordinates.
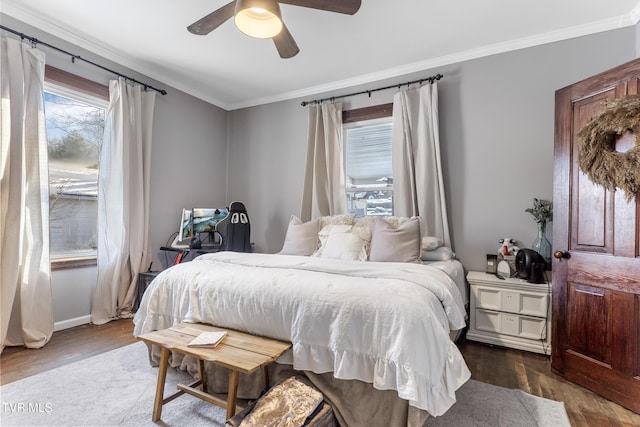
(378, 327)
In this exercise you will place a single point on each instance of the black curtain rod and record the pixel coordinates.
(34, 41)
(370, 91)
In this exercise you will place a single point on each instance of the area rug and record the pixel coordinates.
(117, 388)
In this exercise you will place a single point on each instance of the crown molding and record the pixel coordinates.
(86, 42)
(632, 18)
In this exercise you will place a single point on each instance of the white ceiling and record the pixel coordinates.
(383, 39)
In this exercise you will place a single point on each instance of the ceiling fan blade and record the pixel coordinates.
(348, 7)
(213, 20)
(286, 45)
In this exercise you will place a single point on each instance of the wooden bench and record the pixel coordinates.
(240, 352)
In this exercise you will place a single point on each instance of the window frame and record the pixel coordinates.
(367, 116)
(367, 113)
(67, 84)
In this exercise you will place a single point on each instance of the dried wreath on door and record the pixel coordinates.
(597, 156)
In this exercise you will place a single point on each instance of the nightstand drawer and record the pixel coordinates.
(510, 312)
(519, 302)
(510, 324)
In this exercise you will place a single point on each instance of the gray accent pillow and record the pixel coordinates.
(401, 244)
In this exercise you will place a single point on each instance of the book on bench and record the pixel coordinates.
(208, 339)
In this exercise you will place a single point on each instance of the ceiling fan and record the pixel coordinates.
(262, 19)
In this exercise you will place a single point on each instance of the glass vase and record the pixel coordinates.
(542, 244)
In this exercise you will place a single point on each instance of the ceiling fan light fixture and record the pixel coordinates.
(258, 18)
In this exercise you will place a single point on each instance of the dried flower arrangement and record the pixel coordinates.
(542, 210)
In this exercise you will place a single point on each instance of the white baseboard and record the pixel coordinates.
(70, 323)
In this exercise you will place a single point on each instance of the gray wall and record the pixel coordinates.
(267, 152)
(189, 158)
(497, 135)
(189, 161)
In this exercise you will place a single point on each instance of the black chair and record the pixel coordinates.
(236, 229)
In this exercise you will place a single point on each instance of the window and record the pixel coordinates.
(369, 174)
(75, 126)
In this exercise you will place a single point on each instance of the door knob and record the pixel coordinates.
(558, 255)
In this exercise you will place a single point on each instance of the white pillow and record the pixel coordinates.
(396, 244)
(443, 253)
(341, 241)
(430, 243)
(301, 238)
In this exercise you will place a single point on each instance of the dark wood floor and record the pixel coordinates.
(67, 346)
(532, 373)
(503, 367)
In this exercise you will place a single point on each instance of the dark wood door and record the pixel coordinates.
(596, 285)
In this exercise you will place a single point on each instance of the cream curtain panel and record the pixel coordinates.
(418, 186)
(123, 200)
(25, 272)
(324, 180)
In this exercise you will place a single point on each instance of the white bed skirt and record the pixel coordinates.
(355, 403)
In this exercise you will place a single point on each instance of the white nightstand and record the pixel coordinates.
(510, 312)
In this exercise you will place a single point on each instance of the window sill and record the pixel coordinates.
(73, 262)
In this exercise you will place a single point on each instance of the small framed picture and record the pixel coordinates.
(492, 263)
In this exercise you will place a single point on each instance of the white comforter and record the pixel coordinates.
(383, 323)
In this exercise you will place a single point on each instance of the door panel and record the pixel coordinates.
(596, 289)
(589, 305)
(591, 216)
(626, 222)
